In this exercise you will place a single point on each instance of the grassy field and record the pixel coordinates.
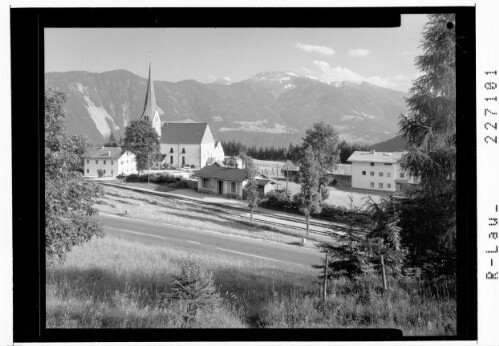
(138, 205)
(117, 283)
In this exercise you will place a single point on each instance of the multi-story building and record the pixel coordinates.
(379, 171)
(108, 162)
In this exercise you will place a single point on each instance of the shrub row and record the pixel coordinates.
(163, 178)
(280, 201)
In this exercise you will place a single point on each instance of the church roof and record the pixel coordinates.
(150, 102)
(183, 133)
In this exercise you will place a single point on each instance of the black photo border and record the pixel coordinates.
(27, 66)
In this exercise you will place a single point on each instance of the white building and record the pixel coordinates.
(379, 171)
(187, 144)
(183, 144)
(108, 162)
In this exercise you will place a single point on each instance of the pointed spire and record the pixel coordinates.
(150, 103)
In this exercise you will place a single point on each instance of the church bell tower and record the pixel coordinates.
(150, 110)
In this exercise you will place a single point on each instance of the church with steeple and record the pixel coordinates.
(182, 144)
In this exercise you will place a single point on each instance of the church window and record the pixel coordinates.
(88, 171)
(112, 161)
(97, 162)
(171, 159)
(183, 160)
(88, 161)
(183, 150)
(104, 161)
(171, 150)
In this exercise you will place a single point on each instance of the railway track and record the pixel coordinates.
(331, 229)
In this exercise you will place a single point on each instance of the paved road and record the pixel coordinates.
(153, 232)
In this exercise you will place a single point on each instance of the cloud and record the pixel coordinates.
(359, 52)
(331, 74)
(315, 49)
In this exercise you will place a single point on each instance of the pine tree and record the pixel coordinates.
(111, 141)
(429, 217)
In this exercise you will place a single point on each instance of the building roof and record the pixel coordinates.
(150, 102)
(262, 182)
(183, 133)
(289, 166)
(375, 156)
(342, 169)
(222, 173)
(103, 153)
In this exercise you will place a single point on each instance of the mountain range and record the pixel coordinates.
(269, 108)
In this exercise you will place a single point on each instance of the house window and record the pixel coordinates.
(121, 161)
(104, 171)
(388, 174)
(372, 185)
(88, 171)
(88, 161)
(206, 183)
(372, 174)
(401, 175)
(104, 161)
(171, 160)
(97, 162)
(388, 164)
(112, 161)
(372, 163)
(363, 172)
(213, 184)
(183, 160)
(380, 185)
(183, 151)
(388, 186)
(380, 174)
(112, 172)
(233, 187)
(171, 150)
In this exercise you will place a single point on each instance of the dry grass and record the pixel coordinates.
(112, 282)
(159, 209)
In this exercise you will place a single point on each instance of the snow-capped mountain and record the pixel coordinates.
(268, 108)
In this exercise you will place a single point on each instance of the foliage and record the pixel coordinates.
(346, 150)
(195, 287)
(251, 188)
(69, 215)
(429, 216)
(321, 142)
(309, 199)
(142, 140)
(111, 141)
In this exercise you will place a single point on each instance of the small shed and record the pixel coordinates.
(290, 171)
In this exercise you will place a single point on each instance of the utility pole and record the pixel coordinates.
(277, 165)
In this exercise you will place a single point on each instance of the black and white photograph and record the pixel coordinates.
(273, 178)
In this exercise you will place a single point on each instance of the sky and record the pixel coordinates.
(382, 56)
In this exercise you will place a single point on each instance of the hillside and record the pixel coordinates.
(269, 108)
(394, 144)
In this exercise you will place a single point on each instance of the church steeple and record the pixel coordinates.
(150, 110)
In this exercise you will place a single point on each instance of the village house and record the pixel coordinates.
(182, 144)
(290, 171)
(341, 175)
(108, 162)
(379, 171)
(228, 181)
(234, 161)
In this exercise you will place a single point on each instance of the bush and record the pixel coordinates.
(195, 289)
